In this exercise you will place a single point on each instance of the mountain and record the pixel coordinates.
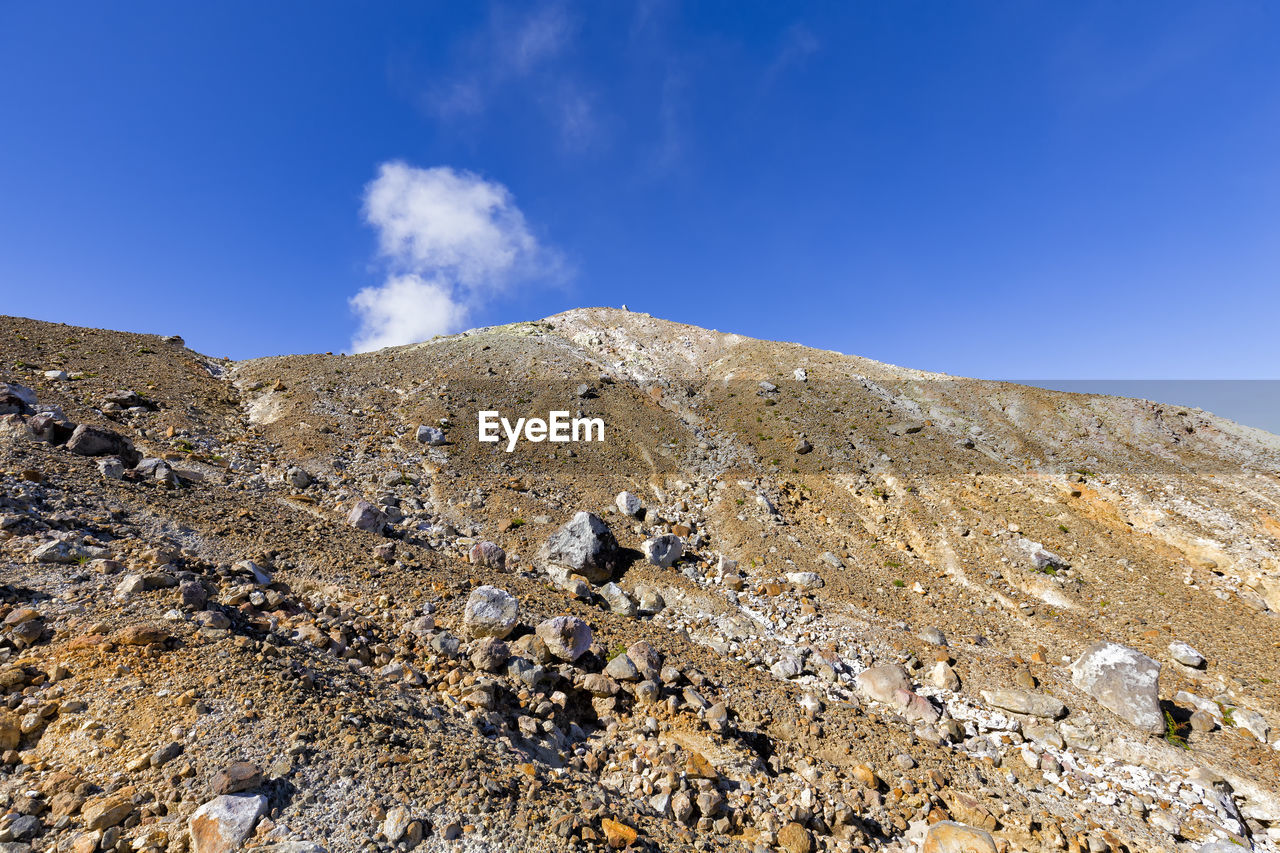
(841, 605)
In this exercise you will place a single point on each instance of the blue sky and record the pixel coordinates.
(992, 189)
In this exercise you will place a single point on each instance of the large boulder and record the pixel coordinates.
(567, 637)
(224, 823)
(365, 516)
(490, 612)
(16, 399)
(47, 427)
(1124, 681)
(586, 546)
(93, 441)
(488, 554)
(664, 550)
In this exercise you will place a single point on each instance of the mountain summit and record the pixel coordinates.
(789, 600)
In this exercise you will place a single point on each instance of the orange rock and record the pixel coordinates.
(618, 835)
(947, 836)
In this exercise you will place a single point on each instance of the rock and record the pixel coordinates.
(1203, 721)
(662, 551)
(93, 441)
(1025, 702)
(914, 707)
(619, 602)
(165, 754)
(947, 836)
(787, 667)
(488, 554)
(367, 517)
(943, 676)
(621, 668)
(236, 777)
(802, 447)
(141, 634)
(490, 612)
(1124, 681)
(1042, 558)
(905, 428)
(396, 823)
(805, 580)
(431, 436)
(794, 838)
(297, 477)
(49, 428)
(58, 551)
(827, 557)
(584, 545)
(16, 399)
(490, 654)
(106, 812)
(933, 636)
(647, 661)
(111, 468)
(224, 823)
(1252, 722)
(129, 586)
(649, 600)
(628, 504)
(567, 637)
(617, 835)
(882, 682)
(1186, 655)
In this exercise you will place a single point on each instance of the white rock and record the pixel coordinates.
(628, 504)
(222, 824)
(1186, 654)
(490, 612)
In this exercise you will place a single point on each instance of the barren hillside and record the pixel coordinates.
(842, 605)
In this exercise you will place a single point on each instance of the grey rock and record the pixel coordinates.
(567, 637)
(621, 668)
(111, 468)
(646, 659)
(831, 560)
(805, 580)
(619, 602)
(490, 612)
(628, 504)
(431, 436)
(933, 636)
(58, 551)
(584, 545)
(488, 554)
(224, 823)
(1186, 654)
(1252, 722)
(367, 517)
(649, 600)
(297, 477)
(94, 441)
(1124, 681)
(787, 667)
(882, 682)
(1025, 702)
(662, 551)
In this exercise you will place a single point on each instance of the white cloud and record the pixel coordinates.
(452, 241)
(405, 309)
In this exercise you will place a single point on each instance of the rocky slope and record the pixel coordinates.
(294, 602)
